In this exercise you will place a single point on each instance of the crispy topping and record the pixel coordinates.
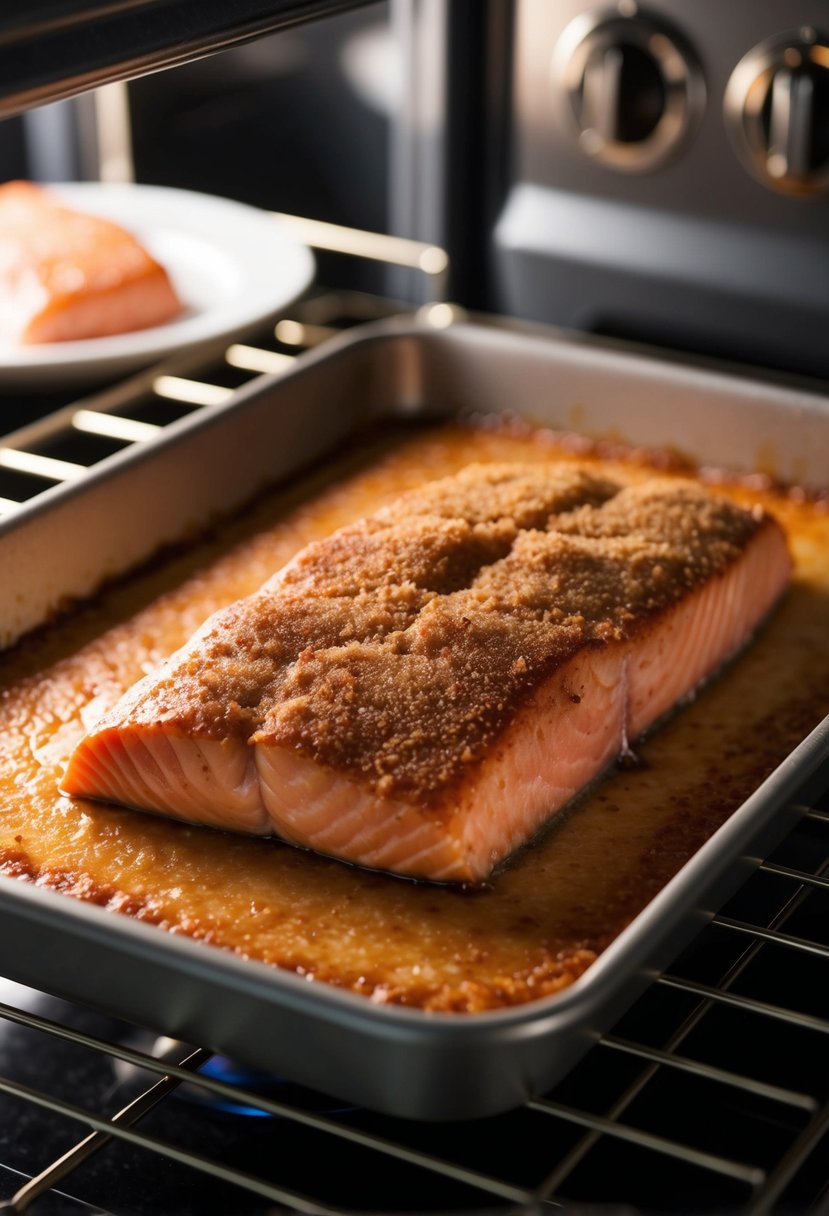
(398, 648)
(528, 495)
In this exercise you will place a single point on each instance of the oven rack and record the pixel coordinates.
(53, 442)
(46, 455)
(60, 446)
(711, 1094)
(747, 1141)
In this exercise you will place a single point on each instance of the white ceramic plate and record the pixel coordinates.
(232, 265)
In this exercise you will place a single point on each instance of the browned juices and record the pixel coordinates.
(542, 919)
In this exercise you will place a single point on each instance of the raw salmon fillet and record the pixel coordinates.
(66, 275)
(421, 691)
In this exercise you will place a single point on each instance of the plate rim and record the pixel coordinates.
(92, 359)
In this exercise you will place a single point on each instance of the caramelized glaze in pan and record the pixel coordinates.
(543, 918)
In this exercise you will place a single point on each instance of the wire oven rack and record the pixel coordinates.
(710, 1095)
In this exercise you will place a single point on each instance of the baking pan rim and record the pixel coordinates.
(530, 1040)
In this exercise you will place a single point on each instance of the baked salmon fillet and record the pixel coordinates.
(423, 690)
(66, 275)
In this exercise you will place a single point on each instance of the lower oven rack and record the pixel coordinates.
(711, 1094)
(746, 1070)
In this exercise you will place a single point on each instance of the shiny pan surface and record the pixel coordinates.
(402, 1060)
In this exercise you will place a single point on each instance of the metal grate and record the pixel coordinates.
(72, 437)
(67, 443)
(710, 1095)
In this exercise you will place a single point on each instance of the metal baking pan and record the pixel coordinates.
(400, 1061)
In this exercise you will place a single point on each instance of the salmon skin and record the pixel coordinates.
(424, 689)
(66, 275)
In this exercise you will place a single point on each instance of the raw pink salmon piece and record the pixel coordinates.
(422, 691)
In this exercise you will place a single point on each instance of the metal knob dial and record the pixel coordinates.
(630, 89)
(777, 112)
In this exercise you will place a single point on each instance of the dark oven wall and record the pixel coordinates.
(295, 122)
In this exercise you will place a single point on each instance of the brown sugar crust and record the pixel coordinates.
(397, 649)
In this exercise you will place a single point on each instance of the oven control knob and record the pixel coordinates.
(630, 88)
(777, 111)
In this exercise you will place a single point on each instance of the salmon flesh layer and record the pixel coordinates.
(66, 275)
(421, 691)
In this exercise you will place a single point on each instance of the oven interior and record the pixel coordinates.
(712, 1093)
